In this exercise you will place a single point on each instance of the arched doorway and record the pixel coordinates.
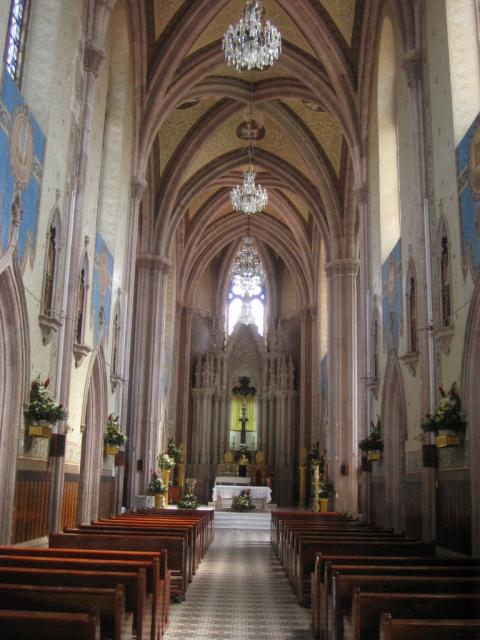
(470, 375)
(93, 421)
(394, 435)
(14, 368)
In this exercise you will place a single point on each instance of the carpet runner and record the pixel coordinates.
(240, 592)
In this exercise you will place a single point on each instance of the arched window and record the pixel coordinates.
(445, 281)
(246, 307)
(412, 315)
(81, 303)
(48, 303)
(389, 179)
(116, 342)
(16, 36)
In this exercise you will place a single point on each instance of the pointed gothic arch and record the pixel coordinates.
(14, 371)
(394, 432)
(94, 417)
(470, 376)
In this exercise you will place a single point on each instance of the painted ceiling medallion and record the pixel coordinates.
(189, 104)
(250, 130)
(250, 45)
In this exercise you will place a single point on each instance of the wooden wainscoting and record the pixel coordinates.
(377, 501)
(106, 501)
(454, 520)
(413, 505)
(70, 500)
(30, 519)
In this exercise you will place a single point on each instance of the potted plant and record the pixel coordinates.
(173, 451)
(165, 465)
(189, 501)
(372, 445)
(243, 502)
(449, 418)
(42, 411)
(325, 490)
(114, 438)
(157, 488)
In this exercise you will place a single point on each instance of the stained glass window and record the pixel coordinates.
(16, 38)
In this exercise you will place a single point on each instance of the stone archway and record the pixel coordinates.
(14, 368)
(470, 377)
(94, 417)
(394, 423)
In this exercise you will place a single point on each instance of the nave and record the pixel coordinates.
(240, 591)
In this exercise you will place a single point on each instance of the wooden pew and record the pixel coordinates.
(278, 517)
(134, 583)
(143, 528)
(108, 556)
(401, 629)
(114, 620)
(305, 559)
(32, 625)
(151, 568)
(343, 586)
(319, 589)
(174, 547)
(367, 608)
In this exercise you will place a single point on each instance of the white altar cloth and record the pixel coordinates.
(256, 493)
(232, 480)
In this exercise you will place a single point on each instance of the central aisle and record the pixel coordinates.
(240, 591)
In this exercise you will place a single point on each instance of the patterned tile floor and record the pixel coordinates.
(240, 591)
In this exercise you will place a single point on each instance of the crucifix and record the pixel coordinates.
(243, 420)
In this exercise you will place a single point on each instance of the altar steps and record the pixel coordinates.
(243, 520)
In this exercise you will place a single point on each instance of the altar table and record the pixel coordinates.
(228, 492)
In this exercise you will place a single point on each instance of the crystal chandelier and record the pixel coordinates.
(249, 198)
(250, 45)
(247, 271)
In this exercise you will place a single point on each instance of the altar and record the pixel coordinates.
(222, 495)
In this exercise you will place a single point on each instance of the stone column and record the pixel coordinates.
(412, 65)
(145, 378)
(93, 58)
(342, 349)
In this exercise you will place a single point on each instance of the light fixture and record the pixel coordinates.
(248, 197)
(247, 271)
(250, 45)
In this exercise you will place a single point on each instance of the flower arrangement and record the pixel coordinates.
(173, 451)
(156, 486)
(189, 501)
(165, 462)
(373, 442)
(448, 414)
(243, 502)
(244, 455)
(42, 406)
(325, 489)
(113, 436)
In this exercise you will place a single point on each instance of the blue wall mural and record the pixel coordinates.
(22, 150)
(468, 167)
(101, 288)
(392, 298)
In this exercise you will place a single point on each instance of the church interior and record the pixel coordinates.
(263, 263)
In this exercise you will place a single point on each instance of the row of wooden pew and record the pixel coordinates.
(113, 578)
(365, 583)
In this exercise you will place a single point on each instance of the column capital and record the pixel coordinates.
(138, 188)
(150, 262)
(342, 267)
(412, 65)
(92, 58)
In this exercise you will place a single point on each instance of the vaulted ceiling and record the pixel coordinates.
(305, 112)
